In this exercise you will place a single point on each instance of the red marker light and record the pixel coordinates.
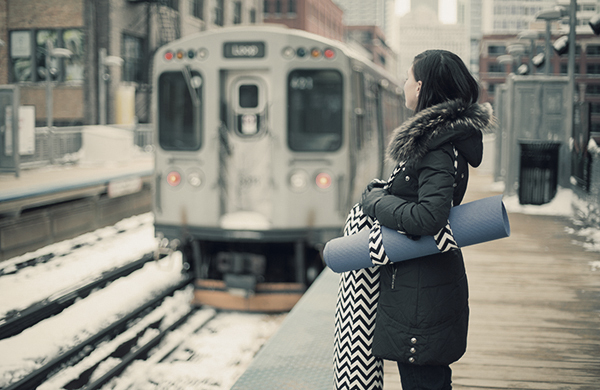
(174, 178)
(329, 53)
(168, 56)
(323, 180)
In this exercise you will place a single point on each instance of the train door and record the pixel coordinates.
(248, 176)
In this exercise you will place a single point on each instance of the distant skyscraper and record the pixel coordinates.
(431, 4)
(366, 13)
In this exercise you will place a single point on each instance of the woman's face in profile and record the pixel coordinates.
(412, 88)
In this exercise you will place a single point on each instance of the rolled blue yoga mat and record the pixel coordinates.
(472, 223)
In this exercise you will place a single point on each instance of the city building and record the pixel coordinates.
(372, 40)
(421, 30)
(368, 26)
(510, 16)
(83, 86)
(366, 13)
(321, 17)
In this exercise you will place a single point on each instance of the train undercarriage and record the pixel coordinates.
(251, 276)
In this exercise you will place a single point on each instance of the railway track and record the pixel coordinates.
(125, 335)
(17, 321)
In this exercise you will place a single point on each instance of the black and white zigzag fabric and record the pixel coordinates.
(355, 367)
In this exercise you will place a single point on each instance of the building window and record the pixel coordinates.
(595, 108)
(197, 9)
(266, 7)
(253, 15)
(219, 9)
(278, 6)
(237, 12)
(591, 68)
(494, 67)
(133, 59)
(28, 55)
(496, 50)
(592, 89)
(592, 50)
(491, 89)
(173, 4)
(292, 6)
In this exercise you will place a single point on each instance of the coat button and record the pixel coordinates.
(413, 340)
(413, 350)
(411, 359)
(407, 178)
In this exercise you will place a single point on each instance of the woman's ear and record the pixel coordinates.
(419, 85)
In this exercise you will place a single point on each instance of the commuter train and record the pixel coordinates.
(265, 137)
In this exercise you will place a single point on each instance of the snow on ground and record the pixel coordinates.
(49, 338)
(100, 250)
(211, 359)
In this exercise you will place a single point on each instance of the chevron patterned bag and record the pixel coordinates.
(354, 365)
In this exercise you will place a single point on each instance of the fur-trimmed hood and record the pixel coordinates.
(453, 121)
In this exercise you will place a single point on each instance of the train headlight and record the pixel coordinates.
(298, 180)
(202, 54)
(323, 180)
(195, 178)
(288, 53)
(315, 53)
(180, 55)
(174, 178)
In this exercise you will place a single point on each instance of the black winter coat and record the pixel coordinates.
(422, 314)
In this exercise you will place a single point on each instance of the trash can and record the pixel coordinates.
(538, 176)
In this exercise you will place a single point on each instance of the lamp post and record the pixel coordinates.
(549, 16)
(52, 52)
(532, 36)
(103, 77)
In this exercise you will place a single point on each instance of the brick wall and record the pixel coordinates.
(28, 14)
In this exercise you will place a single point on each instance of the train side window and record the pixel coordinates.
(315, 110)
(179, 112)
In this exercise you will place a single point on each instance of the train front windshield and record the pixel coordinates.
(179, 111)
(315, 110)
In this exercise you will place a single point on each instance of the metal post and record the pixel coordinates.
(571, 76)
(49, 100)
(49, 106)
(548, 49)
(101, 86)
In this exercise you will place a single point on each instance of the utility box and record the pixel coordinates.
(532, 111)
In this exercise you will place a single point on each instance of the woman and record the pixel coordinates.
(422, 311)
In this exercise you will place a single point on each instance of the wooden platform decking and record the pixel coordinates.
(535, 309)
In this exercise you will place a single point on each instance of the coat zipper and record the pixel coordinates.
(394, 276)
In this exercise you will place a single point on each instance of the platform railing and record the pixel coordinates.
(60, 145)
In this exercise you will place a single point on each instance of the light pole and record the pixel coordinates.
(549, 16)
(532, 36)
(103, 77)
(52, 52)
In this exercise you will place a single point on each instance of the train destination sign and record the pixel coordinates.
(244, 49)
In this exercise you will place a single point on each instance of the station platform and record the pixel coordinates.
(48, 204)
(40, 186)
(535, 304)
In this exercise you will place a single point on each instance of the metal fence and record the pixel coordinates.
(61, 145)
